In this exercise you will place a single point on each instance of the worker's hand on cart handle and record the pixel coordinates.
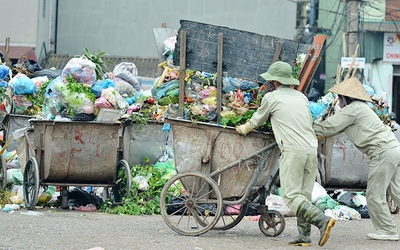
(320, 137)
(244, 129)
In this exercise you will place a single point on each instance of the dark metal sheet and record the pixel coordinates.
(245, 55)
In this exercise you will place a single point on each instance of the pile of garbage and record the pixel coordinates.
(339, 204)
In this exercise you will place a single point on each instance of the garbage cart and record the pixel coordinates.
(71, 153)
(219, 172)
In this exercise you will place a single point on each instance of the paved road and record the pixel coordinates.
(73, 230)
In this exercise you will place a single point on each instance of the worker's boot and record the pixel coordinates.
(303, 239)
(311, 214)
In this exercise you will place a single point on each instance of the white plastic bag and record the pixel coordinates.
(142, 181)
(318, 192)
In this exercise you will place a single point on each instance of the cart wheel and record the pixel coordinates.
(394, 209)
(274, 226)
(31, 183)
(3, 172)
(191, 203)
(118, 189)
(230, 216)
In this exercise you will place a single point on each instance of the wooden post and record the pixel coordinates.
(353, 61)
(182, 72)
(7, 48)
(278, 51)
(219, 75)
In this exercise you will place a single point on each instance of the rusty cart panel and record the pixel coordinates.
(344, 165)
(76, 151)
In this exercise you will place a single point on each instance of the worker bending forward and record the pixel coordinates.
(291, 121)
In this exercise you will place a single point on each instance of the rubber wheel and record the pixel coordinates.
(123, 185)
(31, 183)
(3, 172)
(273, 227)
(394, 209)
(191, 203)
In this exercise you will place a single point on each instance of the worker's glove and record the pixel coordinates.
(320, 137)
(244, 129)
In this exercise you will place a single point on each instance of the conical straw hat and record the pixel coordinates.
(353, 88)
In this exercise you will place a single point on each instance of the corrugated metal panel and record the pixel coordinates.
(373, 46)
(385, 26)
(147, 67)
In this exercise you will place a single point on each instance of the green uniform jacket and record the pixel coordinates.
(291, 120)
(362, 126)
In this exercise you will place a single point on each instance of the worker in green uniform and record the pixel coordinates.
(375, 139)
(291, 121)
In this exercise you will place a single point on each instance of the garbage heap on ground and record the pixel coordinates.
(339, 204)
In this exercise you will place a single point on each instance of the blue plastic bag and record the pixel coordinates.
(100, 85)
(4, 71)
(23, 85)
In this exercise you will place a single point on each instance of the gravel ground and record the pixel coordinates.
(74, 230)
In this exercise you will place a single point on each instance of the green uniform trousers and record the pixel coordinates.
(384, 175)
(297, 172)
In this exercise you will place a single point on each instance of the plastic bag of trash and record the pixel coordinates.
(83, 198)
(124, 88)
(4, 71)
(100, 85)
(326, 202)
(345, 213)
(114, 98)
(347, 199)
(102, 102)
(22, 85)
(81, 69)
(17, 197)
(359, 199)
(17, 177)
(231, 84)
(142, 182)
(318, 192)
(275, 202)
(161, 91)
(128, 72)
(87, 208)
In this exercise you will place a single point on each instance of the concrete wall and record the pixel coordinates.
(125, 27)
(19, 20)
(45, 31)
(379, 75)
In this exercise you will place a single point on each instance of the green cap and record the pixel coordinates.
(281, 72)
